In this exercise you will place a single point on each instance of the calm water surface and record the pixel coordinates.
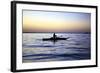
(77, 47)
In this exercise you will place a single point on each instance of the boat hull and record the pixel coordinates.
(52, 39)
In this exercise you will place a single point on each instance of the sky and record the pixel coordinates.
(53, 21)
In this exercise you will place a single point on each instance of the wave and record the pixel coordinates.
(49, 56)
(29, 46)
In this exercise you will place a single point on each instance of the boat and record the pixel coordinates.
(54, 38)
(47, 39)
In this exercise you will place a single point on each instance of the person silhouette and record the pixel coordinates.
(54, 36)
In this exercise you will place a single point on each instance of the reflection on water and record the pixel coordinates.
(77, 47)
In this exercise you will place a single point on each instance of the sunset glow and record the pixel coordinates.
(46, 21)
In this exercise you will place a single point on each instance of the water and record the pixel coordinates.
(77, 47)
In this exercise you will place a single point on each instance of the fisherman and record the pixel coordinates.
(54, 36)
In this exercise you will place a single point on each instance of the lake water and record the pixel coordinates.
(77, 47)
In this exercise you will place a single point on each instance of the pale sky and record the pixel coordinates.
(49, 21)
